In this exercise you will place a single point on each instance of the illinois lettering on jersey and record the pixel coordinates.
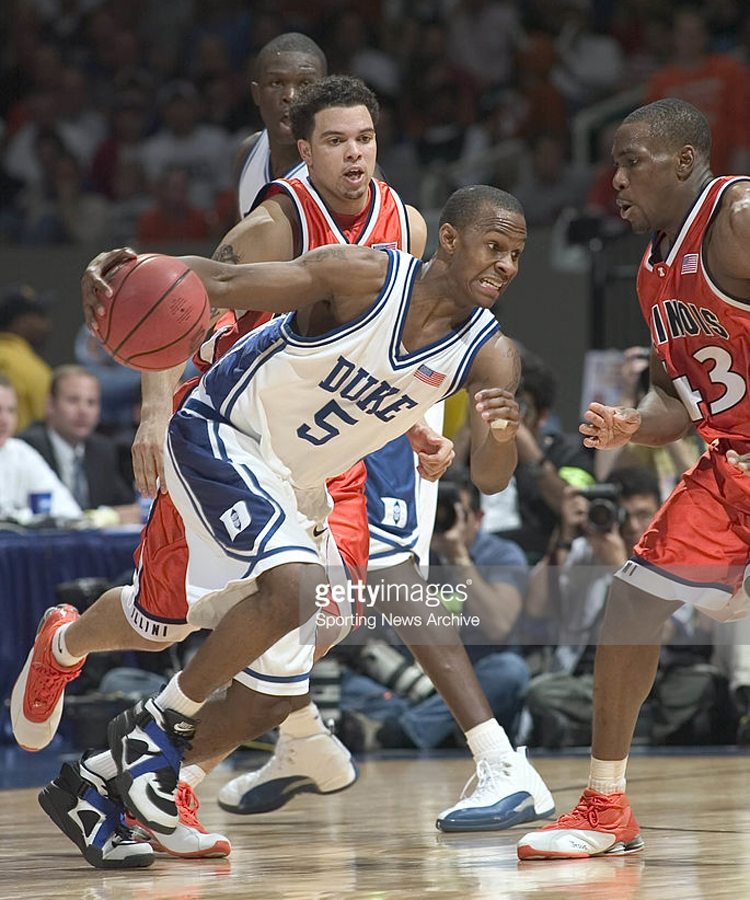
(701, 334)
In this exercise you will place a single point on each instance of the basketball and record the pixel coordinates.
(157, 315)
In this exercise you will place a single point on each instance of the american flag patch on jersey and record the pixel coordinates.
(435, 379)
(689, 264)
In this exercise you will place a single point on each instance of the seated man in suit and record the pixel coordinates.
(85, 462)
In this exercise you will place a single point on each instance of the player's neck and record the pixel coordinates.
(694, 187)
(342, 208)
(283, 158)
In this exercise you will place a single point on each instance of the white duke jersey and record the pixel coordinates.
(317, 405)
(256, 173)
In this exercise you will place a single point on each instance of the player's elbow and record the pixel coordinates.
(490, 482)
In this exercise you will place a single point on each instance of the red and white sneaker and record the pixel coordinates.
(600, 825)
(36, 703)
(190, 839)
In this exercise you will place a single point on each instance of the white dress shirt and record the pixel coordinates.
(24, 471)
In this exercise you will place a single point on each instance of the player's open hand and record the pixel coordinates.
(94, 282)
(148, 452)
(607, 427)
(740, 461)
(498, 408)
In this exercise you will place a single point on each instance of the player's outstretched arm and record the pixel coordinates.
(661, 417)
(346, 276)
(494, 415)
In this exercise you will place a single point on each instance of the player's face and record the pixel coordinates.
(645, 179)
(487, 255)
(74, 412)
(8, 413)
(341, 154)
(278, 82)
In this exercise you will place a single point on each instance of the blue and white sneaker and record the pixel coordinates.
(318, 764)
(507, 793)
(78, 804)
(148, 744)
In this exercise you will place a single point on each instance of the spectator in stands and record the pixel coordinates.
(203, 150)
(62, 209)
(124, 143)
(173, 218)
(550, 184)
(717, 84)
(84, 461)
(548, 461)
(493, 573)
(482, 37)
(569, 589)
(22, 469)
(120, 386)
(24, 326)
(589, 65)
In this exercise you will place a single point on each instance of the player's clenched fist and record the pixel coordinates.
(609, 426)
(500, 411)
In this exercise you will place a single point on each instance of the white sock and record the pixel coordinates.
(303, 723)
(173, 698)
(60, 648)
(488, 740)
(103, 764)
(607, 775)
(192, 775)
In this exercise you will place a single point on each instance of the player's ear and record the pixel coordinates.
(303, 148)
(447, 237)
(685, 162)
(255, 91)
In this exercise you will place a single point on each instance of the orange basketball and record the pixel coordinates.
(157, 315)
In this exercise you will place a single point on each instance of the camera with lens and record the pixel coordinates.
(445, 514)
(402, 675)
(604, 509)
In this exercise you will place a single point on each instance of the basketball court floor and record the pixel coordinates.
(377, 840)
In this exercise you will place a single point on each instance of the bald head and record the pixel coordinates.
(674, 124)
(292, 42)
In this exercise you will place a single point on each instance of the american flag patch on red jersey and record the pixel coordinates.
(689, 264)
(435, 379)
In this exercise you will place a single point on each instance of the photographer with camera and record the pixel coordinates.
(599, 526)
(490, 576)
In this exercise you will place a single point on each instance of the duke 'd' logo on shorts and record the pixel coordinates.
(394, 512)
(236, 519)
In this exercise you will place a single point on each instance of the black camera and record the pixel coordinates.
(445, 514)
(604, 509)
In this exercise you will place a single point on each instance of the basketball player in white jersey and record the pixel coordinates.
(369, 329)
(393, 483)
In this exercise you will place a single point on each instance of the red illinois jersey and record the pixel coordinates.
(383, 224)
(701, 334)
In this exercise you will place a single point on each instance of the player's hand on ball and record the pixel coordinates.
(740, 461)
(500, 411)
(94, 282)
(607, 427)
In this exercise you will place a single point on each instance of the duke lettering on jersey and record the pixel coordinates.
(701, 334)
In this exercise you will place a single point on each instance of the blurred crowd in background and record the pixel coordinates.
(121, 121)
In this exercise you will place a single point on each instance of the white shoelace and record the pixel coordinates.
(488, 777)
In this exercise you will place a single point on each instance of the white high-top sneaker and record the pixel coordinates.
(507, 793)
(319, 764)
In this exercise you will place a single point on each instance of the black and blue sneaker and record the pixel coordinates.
(148, 744)
(78, 802)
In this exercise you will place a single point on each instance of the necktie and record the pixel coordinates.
(80, 483)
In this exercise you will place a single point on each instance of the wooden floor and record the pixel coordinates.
(377, 840)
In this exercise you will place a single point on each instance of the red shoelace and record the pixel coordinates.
(187, 806)
(585, 813)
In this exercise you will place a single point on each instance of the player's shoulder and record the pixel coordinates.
(734, 212)
(245, 149)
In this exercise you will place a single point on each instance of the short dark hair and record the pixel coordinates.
(675, 123)
(335, 90)
(19, 300)
(635, 480)
(291, 42)
(463, 205)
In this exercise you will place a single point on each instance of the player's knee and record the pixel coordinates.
(634, 617)
(257, 712)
